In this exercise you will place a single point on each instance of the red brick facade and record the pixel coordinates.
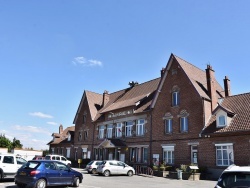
(188, 99)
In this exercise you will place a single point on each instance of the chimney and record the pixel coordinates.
(105, 98)
(60, 129)
(211, 87)
(227, 86)
(162, 72)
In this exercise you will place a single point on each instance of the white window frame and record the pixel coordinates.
(68, 153)
(168, 154)
(109, 131)
(101, 132)
(69, 137)
(168, 125)
(224, 154)
(118, 130)
(175, 98)
(140, 127)
(184, 126)
(221, 114)
(129, 128)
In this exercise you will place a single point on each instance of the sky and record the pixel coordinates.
(51, 51)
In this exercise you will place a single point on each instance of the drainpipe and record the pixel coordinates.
(150, 141)
(92, 147)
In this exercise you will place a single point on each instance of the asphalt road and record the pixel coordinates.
(96, 181)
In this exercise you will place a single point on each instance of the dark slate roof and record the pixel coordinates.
(239, 107)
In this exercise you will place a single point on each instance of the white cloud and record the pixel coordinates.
(40, 115)
(32, 129)
(52, 123)
(86, 62)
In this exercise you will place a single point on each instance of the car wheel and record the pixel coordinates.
(130, 173)
(76, 182)
(94, 171)
(68, 165)
(41, 183)
(106, 173)
(1, 174)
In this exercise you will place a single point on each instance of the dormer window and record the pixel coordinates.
(221, 119)
(69, 137)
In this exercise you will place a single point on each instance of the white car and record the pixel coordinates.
(58, 158)
(113, 167)
(234, 177)
(92, 166)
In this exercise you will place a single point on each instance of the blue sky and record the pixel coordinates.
(51, 51)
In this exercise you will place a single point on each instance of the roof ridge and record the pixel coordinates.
(92, 92)
(248, 93)
(135, 85)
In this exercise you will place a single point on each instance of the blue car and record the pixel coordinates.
(40, 174)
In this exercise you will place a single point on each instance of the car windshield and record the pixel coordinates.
(21, 161)
(234, 180)
(31, 165)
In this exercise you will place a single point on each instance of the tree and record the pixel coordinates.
(5, 142)
(16, 144)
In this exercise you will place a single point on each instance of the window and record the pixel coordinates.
(69, 137)
(168, 154)
(132, 155)
(224, 154)
(140, 127)
(101, 132)
(129, 128)
(145, 155)
(168, 126)
(139, 155)
(84, 119)
(222, 120)
(109, 131)
(184, 124)
(175, 98)
(8, 159)
(85, 135)
(118, 131)
(79, 136)
(68, 153)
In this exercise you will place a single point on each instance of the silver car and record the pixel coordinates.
(114, 167)
(92, 166)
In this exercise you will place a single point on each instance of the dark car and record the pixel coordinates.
(43, 173)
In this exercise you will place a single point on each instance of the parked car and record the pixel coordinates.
(9, 164)
(43, 173)
(20, 161)
(234, 176)
(92, 166)
(58, 158)
(38, 158)
(113, 167)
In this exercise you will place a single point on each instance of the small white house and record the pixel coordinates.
(27, 154)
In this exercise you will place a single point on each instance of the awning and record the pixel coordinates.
(112, 143)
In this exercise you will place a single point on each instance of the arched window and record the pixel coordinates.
(175, 96)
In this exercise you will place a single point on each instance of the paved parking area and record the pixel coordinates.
(96, 181)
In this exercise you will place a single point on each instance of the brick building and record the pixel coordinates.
(182, 117)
